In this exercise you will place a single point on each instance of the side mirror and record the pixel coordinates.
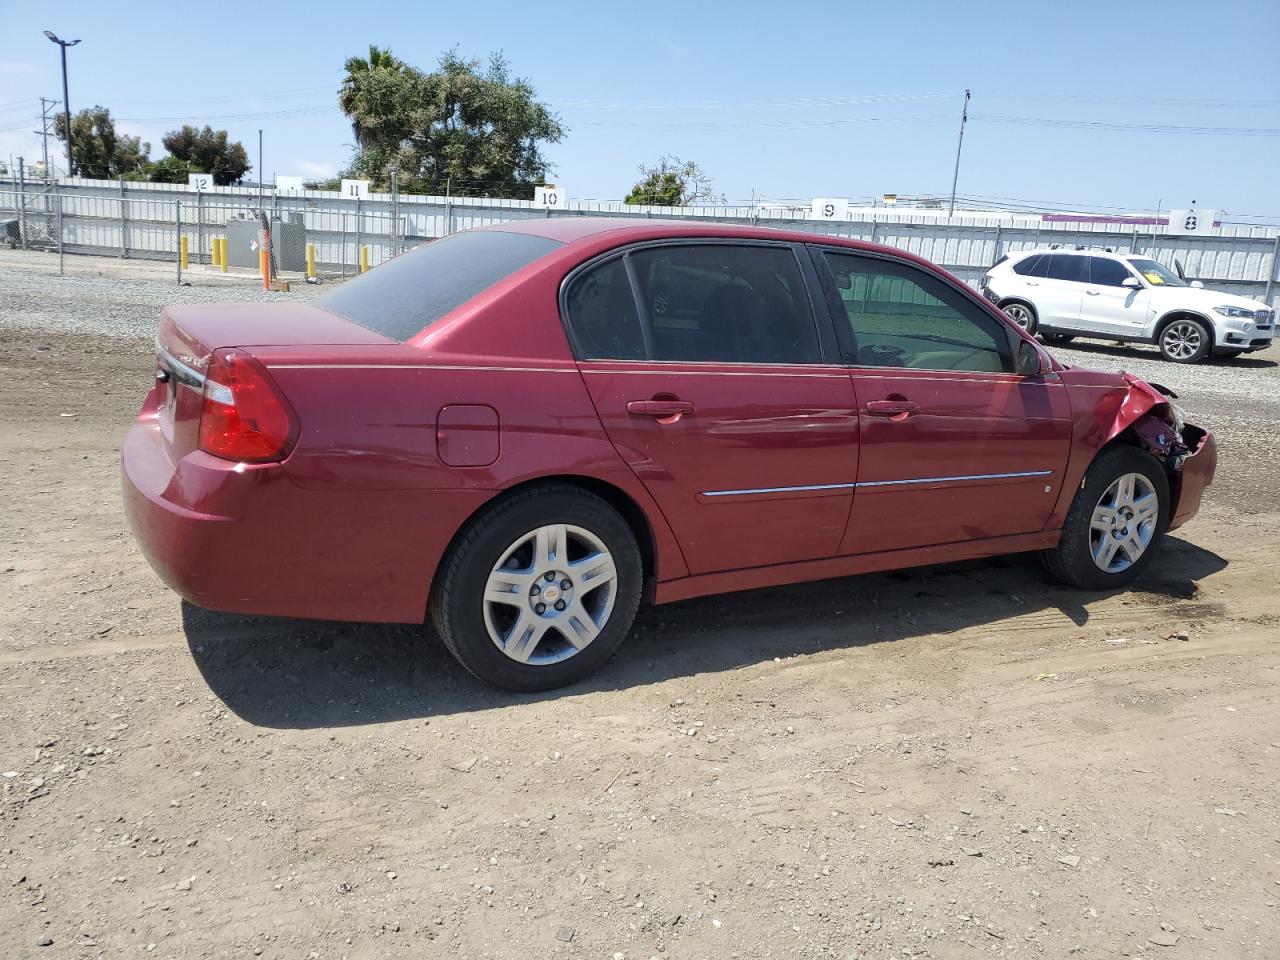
(1133, 283)
(1028, 359)
(1197, 284)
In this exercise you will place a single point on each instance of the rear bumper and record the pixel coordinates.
(1195, 476)
(244, 538)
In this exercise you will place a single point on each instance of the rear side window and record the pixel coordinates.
(1065, 266)
(403, 296)
(1027, 265)
(602, 311)
(1107, 273)
(695, 302)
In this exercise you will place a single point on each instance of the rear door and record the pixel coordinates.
(1059, 280)
(1109, 307)
(953, 446)
(716, 384)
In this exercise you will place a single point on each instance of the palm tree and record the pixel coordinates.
(359, 70)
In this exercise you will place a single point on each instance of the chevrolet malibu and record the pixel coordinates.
(524, 431)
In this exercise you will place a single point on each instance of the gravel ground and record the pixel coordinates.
(957, 762)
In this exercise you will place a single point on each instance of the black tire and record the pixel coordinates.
(1023, 314)
(1185, 340)
(458, 605)
(1057, 337)
(1071, 561)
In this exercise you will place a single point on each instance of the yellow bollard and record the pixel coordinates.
(364, 259)
(311, 261)
(222, 253)
(182, 252)
(213, 252)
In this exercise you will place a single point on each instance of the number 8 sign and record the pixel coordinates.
(1194, 221)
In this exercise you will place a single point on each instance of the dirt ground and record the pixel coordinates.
(959, 761)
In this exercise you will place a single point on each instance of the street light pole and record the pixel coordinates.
(66, 102)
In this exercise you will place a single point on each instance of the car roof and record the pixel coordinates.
(623, 230)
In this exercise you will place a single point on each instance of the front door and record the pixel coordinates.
(1108, 306)
(1057, 282)
(953, 446)
(713, 381)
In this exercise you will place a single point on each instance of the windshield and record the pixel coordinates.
(1156, 274)
(412, 291)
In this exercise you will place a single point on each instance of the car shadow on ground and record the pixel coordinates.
(1257, 361)
(283, 673)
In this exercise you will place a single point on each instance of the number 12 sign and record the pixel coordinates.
(200, 181)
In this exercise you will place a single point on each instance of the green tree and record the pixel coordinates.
(97, 150)
(209, 151)
(368, 94)
(673, 183)
(167, 170)
(478, 131)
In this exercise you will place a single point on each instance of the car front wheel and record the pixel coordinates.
(540, 590)
(1115, 521)
(1185, 341)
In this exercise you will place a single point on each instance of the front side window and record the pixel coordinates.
(901, 316)
(1107, 273)
(1157, 274)
(694, 302)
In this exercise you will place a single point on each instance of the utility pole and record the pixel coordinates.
(260, 186)
(46, 122)
(955, 177)
(66, 100)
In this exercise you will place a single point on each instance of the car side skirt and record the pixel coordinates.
(731, 581)
(1094, 335)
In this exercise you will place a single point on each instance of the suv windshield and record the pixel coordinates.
(414, 290)
(1156, 274)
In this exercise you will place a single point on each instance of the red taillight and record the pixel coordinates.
(243, 416)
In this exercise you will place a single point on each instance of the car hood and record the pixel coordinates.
(1205, 298)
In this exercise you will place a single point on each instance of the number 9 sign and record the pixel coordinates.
(830, 208)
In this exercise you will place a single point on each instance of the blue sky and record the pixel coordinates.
(780, 100)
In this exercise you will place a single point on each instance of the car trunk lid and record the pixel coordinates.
(189, 334)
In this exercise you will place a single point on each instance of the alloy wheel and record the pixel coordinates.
(1123, 523)
(1182, 340)
(1019, 314)
(550, 594)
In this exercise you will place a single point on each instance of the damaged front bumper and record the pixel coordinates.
(1188, 452)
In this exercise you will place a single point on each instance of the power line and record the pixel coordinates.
(1131, 127)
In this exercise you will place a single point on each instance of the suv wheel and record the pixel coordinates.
(1023, 314)
(1185, 341)
(540, 590)
(1115, 521)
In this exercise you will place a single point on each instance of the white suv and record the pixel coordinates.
(1062, 294)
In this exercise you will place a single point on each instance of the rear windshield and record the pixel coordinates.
(412, 291)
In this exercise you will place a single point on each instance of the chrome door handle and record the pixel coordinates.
(1033, 283)
(1093, 293)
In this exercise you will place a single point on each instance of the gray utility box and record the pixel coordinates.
(288, 244)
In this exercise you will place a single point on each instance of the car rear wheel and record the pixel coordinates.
(1023, 314)
(1185, 341)
(540, 590)
(1115, 521)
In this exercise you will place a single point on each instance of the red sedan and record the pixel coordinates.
(527, 430)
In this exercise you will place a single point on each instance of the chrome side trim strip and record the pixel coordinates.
(875, 483)
(182, 372)
(743, 493)
(415, 366)
(976, 476)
